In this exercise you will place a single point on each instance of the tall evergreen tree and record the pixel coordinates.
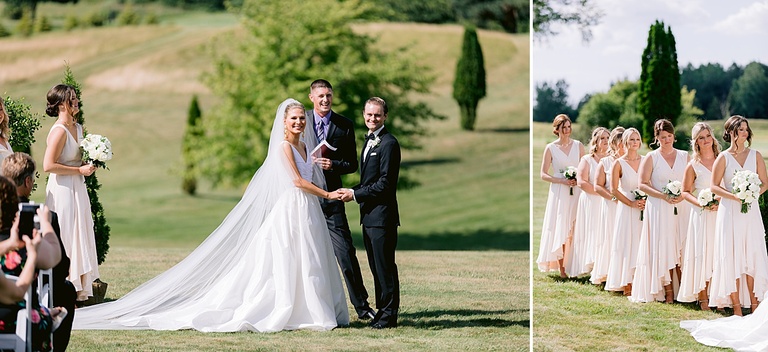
(469, 84)
(659, 85)
(194, 131)
(100, 227)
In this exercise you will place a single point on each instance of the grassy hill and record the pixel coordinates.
(463, 245)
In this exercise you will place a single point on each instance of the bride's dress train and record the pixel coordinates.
(747, 333)
(268, 267)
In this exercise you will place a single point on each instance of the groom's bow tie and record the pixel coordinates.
(370, 137)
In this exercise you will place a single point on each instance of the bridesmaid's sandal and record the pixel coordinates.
(737, 310)
(704, 304)
(668, 296)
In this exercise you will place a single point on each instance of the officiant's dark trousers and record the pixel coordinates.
(380, 244)
(344, 250)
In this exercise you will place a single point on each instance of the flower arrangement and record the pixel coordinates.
(97, 150)
(746, 186)
(672, 190)
(570, 174)
(706, 199)
(639, 195)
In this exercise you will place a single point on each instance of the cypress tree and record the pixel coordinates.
(469, 84)
(100, 227)
(659, 86)
(191, 135)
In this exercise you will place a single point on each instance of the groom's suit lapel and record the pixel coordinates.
(381, 135)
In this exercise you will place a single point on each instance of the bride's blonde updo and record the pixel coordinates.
(59, 94)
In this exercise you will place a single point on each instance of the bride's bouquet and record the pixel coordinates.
(639, 195)
(746, 186)
(570, 174)
(97, 150)
(672, 190)
(706, 198)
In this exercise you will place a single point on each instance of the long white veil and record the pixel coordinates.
(191, 278)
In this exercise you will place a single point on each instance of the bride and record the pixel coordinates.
(268, 267)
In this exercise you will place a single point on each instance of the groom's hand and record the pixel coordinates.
(347, 195)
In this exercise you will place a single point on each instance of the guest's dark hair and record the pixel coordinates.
(559, 120)
(320, 83)
(732, 126)
(9, 203)
(661, 125)
(59, 94)
(18, 166)
(378, 101)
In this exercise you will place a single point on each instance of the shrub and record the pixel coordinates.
(25, 25)
(42, 24)
(70, 23)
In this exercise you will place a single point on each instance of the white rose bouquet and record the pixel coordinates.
(97, 150)
(746, 186)
(570, 174)
(639, 195)
(706, 198)
(672, 190)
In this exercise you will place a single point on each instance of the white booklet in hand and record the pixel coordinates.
(322, 150)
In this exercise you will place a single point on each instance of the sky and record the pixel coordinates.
(706, 31)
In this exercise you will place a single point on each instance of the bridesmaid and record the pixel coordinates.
(607, 211)
(560, 212)
(585, 228)
(665, 222)
(627, 224)
(698, 253)
(740, 268)
(66, 193)
(5, 132)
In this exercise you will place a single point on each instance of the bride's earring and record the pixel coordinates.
(285, 131)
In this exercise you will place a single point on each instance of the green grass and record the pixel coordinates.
(464, 240)
(574, 315)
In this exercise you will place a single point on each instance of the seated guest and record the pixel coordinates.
(20, 168)
(20, 256)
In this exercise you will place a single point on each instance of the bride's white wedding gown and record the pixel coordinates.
(268, 267)
(747, 333)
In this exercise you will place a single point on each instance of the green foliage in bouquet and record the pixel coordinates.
(22, 123)
(100, 227)
(191, 135)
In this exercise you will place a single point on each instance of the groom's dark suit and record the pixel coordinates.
(341, 135)
(379, 171)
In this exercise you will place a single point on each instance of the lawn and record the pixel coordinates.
(463, 248)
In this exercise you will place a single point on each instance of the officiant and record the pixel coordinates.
(338, 132)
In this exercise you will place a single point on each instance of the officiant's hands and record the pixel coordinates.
(324, 163)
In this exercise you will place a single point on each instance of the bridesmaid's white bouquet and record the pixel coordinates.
(706, 198)
(570, 174)
(672, 190)
(639, 195)
(746, 186)
(97, 150)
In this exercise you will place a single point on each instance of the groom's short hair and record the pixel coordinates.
(320, 83)
(17, 167)
(380, 102)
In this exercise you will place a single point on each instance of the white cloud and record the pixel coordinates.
(749, 20)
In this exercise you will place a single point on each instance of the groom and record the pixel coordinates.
(379, 170)
(338, 131)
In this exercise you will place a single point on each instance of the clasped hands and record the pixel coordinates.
(342, 194)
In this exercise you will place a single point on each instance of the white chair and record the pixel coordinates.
(19, 342)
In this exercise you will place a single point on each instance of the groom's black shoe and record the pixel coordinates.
(380, 325)
(368, 314)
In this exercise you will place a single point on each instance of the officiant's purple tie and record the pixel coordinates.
(320, 131)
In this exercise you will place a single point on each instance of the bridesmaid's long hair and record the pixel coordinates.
(697, 129)
(5, 131)
(614, 140)
(732, 125)
(596, 133)
(627, 134)
(661, 125)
